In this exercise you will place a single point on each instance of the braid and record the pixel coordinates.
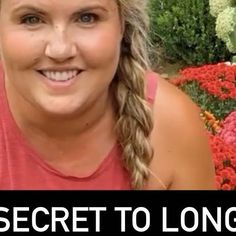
(134, 123)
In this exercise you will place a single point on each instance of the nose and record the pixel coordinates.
(60, 47)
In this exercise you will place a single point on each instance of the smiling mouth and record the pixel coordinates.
(60, 76)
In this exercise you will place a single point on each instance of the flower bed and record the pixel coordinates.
(213, 88)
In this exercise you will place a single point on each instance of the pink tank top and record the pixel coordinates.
(21, 168)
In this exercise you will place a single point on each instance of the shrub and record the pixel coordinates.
(186, 31)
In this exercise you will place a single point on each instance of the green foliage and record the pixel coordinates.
(211, 103)
(186, 31)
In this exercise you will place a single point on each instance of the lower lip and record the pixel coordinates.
(59, 85)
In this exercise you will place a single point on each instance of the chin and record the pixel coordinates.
(59, 110)
(60, 105)
(61, 113)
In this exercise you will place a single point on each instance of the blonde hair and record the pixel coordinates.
(134, 123)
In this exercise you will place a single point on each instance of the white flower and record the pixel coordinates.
(217, 6)
(226, 27)
(225, 23)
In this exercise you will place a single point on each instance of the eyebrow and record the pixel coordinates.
(27, 7)
(41, 11)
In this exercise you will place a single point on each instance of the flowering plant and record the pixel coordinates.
(225, 13)
(213, 88)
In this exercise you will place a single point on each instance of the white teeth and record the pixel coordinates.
(60, 75)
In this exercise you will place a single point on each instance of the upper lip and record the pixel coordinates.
(64, 68)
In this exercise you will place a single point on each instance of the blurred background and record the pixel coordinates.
(193, 46)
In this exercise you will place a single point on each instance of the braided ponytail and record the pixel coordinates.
(134, 123)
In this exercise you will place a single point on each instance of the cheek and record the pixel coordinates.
(101, 48)
(20, 49)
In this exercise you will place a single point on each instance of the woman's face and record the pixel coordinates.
(60, 55)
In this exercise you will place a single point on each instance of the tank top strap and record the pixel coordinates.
(152, 83)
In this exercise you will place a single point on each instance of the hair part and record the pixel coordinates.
(134, 123)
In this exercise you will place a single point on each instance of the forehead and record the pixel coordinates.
(59, 4)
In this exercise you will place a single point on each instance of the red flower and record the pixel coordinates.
(224, 157)
(217, 79)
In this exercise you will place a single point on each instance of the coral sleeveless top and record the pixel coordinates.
(21, 168)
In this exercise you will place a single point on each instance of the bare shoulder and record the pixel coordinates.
(182, 157)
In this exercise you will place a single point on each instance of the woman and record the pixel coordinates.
(80, 107)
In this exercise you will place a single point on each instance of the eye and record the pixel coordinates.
(31, 20)
(87, 18)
